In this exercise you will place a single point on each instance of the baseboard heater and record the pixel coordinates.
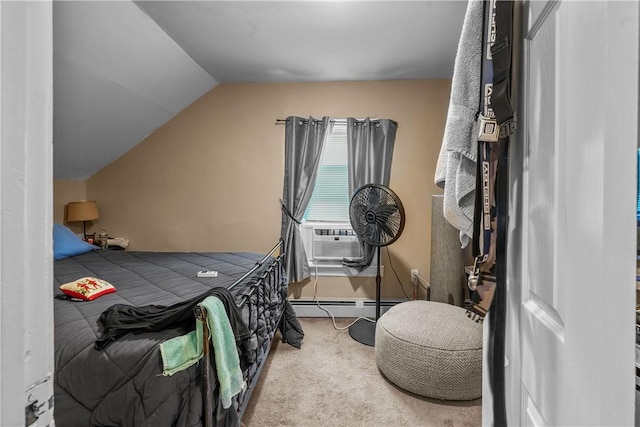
(341, 308)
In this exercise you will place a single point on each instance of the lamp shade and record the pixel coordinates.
(82, 211)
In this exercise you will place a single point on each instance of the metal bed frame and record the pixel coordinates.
(269, 281)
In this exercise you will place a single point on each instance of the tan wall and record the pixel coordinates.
(210, 179)
(65, 191)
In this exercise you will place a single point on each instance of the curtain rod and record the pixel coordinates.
(283, 121)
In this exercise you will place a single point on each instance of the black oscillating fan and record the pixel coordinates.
(377, 218)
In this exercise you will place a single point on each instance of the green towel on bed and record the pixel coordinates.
(181, 352)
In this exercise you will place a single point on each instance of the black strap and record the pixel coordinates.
(501, 102)
(288, 213)
(501, 58)
(497, 320)
(477, 208)
(495, 113)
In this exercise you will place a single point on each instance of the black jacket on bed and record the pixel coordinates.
(120, 319)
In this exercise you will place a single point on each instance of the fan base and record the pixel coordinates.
(364, 332)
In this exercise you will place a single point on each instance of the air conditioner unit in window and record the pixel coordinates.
(334, 246)
(326, 244)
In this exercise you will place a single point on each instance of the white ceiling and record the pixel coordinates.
(123, 69)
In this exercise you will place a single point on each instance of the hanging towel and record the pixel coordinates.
(181, 352)
(456, 167)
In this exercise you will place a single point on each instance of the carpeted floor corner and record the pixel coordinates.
(334, 381)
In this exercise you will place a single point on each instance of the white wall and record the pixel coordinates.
(26, 264)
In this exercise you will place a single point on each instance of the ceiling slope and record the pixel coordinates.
(117, 78)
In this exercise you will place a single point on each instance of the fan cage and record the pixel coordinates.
(376, 214)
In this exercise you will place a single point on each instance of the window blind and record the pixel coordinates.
(330, 199)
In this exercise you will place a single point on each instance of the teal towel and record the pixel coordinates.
(181, 352)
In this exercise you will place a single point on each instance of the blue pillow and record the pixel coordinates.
(66, 243)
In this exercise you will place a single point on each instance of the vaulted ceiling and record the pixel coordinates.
(121, 69)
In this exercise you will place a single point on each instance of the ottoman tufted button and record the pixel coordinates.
(431, 349)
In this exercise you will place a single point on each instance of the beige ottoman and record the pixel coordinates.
(431, 349)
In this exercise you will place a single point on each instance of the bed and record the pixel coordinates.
(121, 382)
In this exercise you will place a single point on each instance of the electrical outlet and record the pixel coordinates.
(414, 276)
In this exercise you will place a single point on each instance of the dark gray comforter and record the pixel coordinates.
(123, 384)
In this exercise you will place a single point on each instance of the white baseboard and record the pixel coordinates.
(341, 308)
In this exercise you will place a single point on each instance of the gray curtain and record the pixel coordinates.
(370, 152)
(304, 141)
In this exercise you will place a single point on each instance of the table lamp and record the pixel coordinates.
(82, 212)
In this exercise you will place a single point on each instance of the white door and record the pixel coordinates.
(572, 239)
(26, 217)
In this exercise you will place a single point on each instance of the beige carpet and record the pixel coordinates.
(333, 381)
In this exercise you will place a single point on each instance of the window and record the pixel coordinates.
(326, 231)
(330, 199)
